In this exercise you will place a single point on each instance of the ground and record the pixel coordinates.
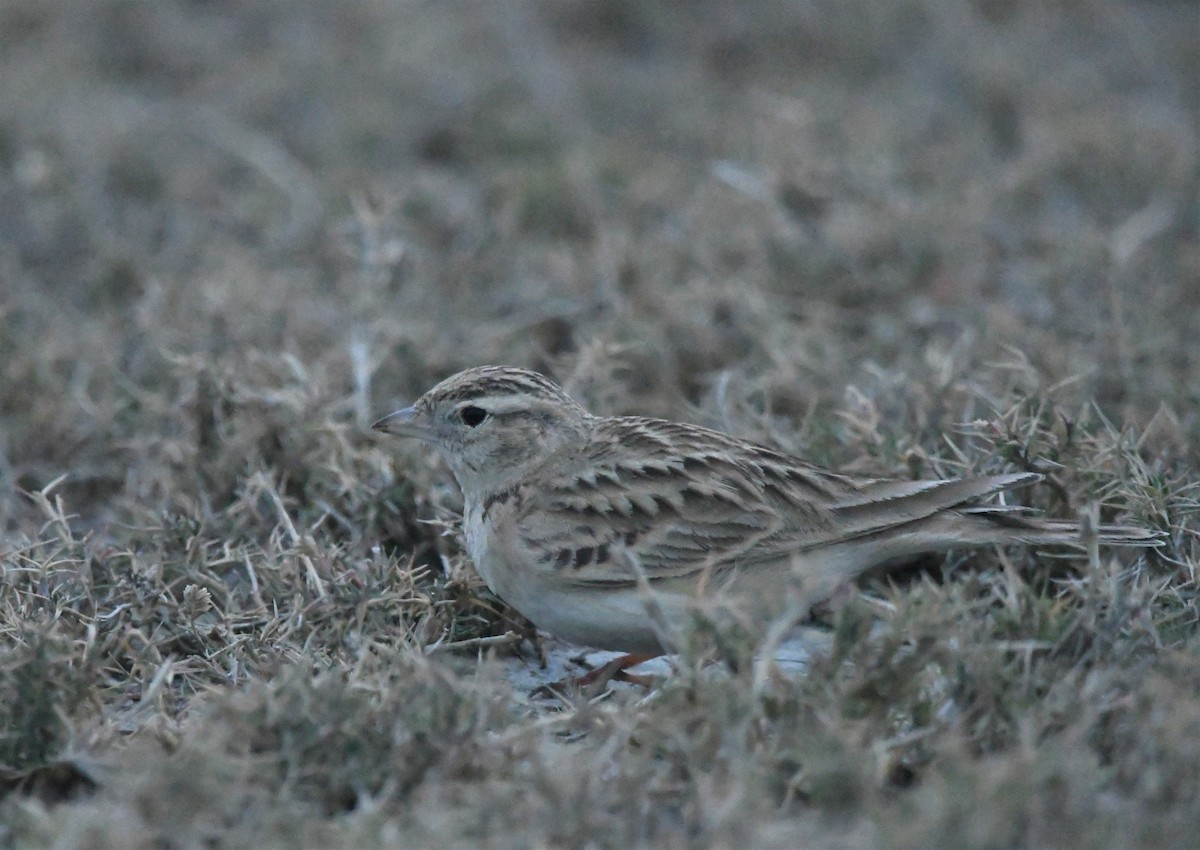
(925, 237)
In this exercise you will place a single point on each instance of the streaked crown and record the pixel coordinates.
(482, 383)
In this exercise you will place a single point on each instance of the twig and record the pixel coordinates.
(505, 639)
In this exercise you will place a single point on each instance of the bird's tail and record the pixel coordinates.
(891, 520)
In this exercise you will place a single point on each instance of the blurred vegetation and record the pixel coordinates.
(911, 238)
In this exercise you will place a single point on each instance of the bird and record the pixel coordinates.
(612, 531)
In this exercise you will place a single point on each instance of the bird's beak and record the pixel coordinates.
(404, 423)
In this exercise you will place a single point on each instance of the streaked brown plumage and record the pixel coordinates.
(579, 521)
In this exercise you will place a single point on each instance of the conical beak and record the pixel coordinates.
(403, 423)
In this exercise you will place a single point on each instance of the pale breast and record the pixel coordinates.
(612, 619)
(475, 532)
(488, 526)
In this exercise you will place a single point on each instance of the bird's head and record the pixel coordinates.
(494, 425)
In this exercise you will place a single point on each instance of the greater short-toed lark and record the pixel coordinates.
(608, 531)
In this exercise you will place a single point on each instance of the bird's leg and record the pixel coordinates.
(595, 680)
(616, 669)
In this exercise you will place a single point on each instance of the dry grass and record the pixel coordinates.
(908, 238)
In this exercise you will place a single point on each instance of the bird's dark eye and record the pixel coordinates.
(472, 416)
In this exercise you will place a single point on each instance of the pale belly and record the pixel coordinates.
(608, 618)
(614, 618)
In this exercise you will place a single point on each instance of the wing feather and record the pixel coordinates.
(683, 500)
